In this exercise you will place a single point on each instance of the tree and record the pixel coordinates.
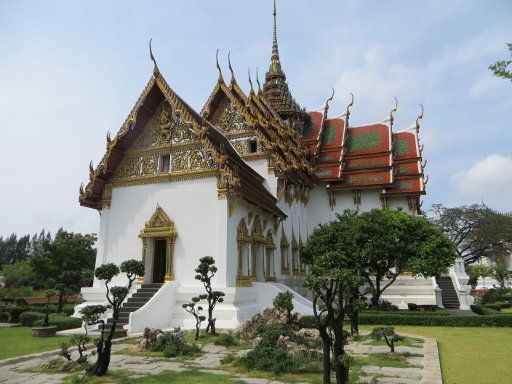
(477, 271)
(388, 334)
(205, 272)
(476, 230)
(501, 273)
(392, 242)
(49, 293)
(18, 274)
(65, 261)
(500, 67)
(334, 278)
(195, 311)
(115, 296)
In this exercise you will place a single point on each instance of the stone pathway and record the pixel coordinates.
(9, 325)
(424, 370)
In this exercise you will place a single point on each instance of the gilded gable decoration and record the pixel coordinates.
(284, 240)
(159, 225)
(269, 240)
(243, 232)
(257, 230)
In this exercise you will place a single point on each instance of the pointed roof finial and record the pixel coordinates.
(233, 80)
(326, 107)
(420, 116)
(156, 71)
(91, 167)
(347, 110)
(221, 79)
(250, 81)
(275, 62)
(258, 80)
(391, 117)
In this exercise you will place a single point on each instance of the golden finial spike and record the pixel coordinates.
(326, 108)
(250, 80)
(81, 189)
(391, 117)
(233, 80)
(221, 79)
(347, 110)
(91, 167)
(156, 71)
(420, 116)
(109, 139)
(258, 80)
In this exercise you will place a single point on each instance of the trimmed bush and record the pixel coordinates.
(484, 309)
(440, 312)
(62, 322)
(502, 320)
(173, 345)
(27, 319)
(494, 306)
(225, 339)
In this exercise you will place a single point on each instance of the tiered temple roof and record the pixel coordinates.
(233, 173)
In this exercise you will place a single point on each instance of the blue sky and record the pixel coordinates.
(71, 71)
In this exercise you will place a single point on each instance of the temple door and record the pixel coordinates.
(159, 261)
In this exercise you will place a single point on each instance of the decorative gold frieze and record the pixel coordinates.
(356, 195)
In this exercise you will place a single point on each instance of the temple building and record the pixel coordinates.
(244, 180)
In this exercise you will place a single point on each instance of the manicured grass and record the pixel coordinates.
(470, 355)
(186, 377)
(18, 341)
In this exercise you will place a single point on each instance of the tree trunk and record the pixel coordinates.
(61, 301)
(326, 358)
(341, 369)
(197, 331)
(100, 367)
(354, 323)
(376, 293)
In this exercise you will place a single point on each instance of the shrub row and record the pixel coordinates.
(68, 309)
(439, 312)
(27, 319)
(447, 321)
(61, 322)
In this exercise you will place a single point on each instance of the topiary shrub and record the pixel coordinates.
(268, 355)
(226, 339)
(14, 310)
(388, 334)
(173, 345)
(412, 306)
(387, 306)
(494, 306)
(61, 322)
(27, 319)
(283, 300)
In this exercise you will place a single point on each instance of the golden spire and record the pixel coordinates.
(156, 71)
(275, 62)
(221, 79)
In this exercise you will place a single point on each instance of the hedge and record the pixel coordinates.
(27, 319)
(503, 320)
(68, 309)
(447, 321)
(439, 312)
(62, 322)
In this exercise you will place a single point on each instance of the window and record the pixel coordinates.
(253, 146)
(165, 162)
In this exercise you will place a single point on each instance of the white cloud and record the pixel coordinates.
(489, 179)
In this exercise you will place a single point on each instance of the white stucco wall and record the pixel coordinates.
(194, 207)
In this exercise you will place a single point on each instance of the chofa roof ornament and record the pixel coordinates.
(156, 71)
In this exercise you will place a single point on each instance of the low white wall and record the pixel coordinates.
(157, 312)
(268, 291)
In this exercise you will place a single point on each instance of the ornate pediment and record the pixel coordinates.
(159, 225)
(243, 232)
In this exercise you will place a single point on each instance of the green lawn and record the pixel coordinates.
(470, 355)
(17, 341)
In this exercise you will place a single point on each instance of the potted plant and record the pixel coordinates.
(46, 330)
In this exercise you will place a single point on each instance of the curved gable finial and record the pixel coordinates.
(326, 107)
(233, 80)
(420, 116)
(221, 78)
(395, 108)
(156, 71)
